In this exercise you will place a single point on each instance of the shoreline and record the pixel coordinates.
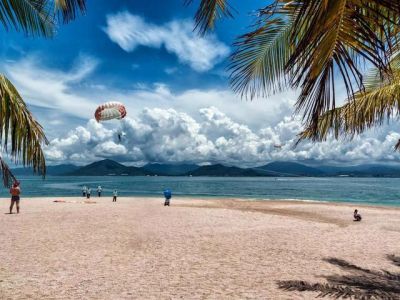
(218, 198)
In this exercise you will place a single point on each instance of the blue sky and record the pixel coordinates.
(174, 84)
(86, 36)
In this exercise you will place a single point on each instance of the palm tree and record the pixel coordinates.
(21, 135)
(313, 45)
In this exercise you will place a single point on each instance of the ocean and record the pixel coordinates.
(375, 191)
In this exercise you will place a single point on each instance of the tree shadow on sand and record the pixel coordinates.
(360, 283)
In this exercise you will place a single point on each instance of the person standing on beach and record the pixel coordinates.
(99, 190)
(115, 195)
(88, 192)
(15, 191)
(168, 196)
(84, 190)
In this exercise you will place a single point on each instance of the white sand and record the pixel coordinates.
(196, 249)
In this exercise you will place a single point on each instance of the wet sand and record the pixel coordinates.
(196, 249)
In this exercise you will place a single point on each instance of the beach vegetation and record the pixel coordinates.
(319, 48)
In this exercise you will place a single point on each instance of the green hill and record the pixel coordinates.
(223, 171)
(108, 167)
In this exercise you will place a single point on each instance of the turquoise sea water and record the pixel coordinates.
(376, 191)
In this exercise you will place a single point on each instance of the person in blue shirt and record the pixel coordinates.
(168, 196)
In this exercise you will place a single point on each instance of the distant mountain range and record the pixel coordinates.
(170, 170)
(109, 167)
(221, 171)
(281, 168)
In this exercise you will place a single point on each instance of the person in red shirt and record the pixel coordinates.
(15, 191)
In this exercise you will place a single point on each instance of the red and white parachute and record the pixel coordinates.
(109, 111)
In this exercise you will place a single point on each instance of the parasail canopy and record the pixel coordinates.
(109, 111)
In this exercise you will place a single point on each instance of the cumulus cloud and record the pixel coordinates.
(170, 136)
(203, 126)
(200, 53)
(85, 144)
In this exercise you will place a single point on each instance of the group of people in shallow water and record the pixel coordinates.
(87, 191)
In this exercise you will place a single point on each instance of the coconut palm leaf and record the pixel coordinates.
(7, 175)
(258, 64)
(33, 17)
(37, 17)
(346, 37)
(70, 8)
(326, 39)
(208, 12)
(21, 136)
(379, 101)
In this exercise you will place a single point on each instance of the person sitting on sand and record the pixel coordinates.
(15, 191)
(357, 216)
(84, 190)
(99, 190)
(88, 192)
(115, 194)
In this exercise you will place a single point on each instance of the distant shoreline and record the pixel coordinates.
(381, 192)
(109, 167)
(203, 199)
(216, 176)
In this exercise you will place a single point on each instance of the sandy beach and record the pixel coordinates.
(196, 249)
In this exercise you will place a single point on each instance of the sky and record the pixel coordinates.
(175, 86)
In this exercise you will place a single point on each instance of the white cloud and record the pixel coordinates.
(201, 53)
(167, 135)
(48, 88)
(203, 126)
(64, 95)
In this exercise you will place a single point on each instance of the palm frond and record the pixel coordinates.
(344, 39)
(33, 17)
(209, 12)
(258, 64)
(288, 47)
(69, 9)
(7, 175)
(20, 134)
(397, 146)
(378, 102)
